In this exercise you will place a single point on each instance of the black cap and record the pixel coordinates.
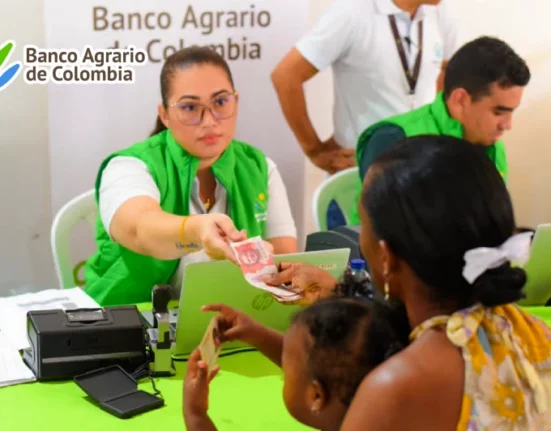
(160, 296)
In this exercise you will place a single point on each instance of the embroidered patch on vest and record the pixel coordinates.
(260, 208)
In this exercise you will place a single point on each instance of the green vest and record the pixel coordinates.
(431, 119)
(116, 275)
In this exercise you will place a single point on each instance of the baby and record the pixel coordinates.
(327, 351)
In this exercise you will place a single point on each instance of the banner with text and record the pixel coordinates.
(109, 92)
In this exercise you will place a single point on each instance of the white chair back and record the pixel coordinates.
(81, 208)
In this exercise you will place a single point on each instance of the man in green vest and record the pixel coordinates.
(483, 86)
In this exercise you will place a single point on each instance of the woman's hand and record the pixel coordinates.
(196, 386)
(311, 282)
(213, 233)
(234, 325)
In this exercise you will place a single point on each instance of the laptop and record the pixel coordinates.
(222, 282)
(538, 268)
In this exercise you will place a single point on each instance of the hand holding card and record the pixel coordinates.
(210, 345)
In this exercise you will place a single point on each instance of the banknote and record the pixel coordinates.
(256, 262)
(209, 348)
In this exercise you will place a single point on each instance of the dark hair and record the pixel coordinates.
(433, 198)
(481, 62)
(350, 337)
(182, 59)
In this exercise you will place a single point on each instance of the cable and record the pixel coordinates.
(185, 358)
(144, 370)
(155, 390)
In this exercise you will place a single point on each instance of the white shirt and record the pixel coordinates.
(355, 38)
(126, 177)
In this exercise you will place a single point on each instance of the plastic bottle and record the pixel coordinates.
(359, 273)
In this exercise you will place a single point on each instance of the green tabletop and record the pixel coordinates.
(543, 313)
(246, 395)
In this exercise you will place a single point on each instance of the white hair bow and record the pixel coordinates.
(479, 260)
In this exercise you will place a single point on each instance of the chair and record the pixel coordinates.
(538, 284)
(81, 208)
(335, 199)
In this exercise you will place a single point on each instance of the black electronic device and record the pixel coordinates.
(116, 392)
(161, 336)
(340, 237)
(65, 343)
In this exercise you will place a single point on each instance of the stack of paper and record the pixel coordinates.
(13, 327)
(12, 368)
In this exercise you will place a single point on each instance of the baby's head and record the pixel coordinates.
(327, 352)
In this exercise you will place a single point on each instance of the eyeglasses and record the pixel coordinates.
(191, 113)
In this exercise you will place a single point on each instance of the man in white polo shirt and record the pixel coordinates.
(379, 70)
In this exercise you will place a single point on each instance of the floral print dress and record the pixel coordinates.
(507, 355)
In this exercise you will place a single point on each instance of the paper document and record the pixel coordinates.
(12, 368)
(13, 310)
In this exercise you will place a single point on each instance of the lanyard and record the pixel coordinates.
(411, 77)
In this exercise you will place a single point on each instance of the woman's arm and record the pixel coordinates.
(130, 211)
(284, 244)
(143, 227)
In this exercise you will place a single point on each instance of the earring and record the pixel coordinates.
(387, 291)
(315, 411)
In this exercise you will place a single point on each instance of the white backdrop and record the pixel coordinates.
(87, 122)
(25, 256)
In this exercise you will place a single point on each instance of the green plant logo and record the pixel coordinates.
(8, 72)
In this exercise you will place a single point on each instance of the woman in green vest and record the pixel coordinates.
(182, 194)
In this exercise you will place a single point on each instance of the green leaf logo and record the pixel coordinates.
(7, 75)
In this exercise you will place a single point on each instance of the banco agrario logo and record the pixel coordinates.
(63, 66)
(8, 72)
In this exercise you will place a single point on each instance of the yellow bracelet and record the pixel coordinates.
(182, 237)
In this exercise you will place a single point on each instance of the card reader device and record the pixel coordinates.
(65, 343)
